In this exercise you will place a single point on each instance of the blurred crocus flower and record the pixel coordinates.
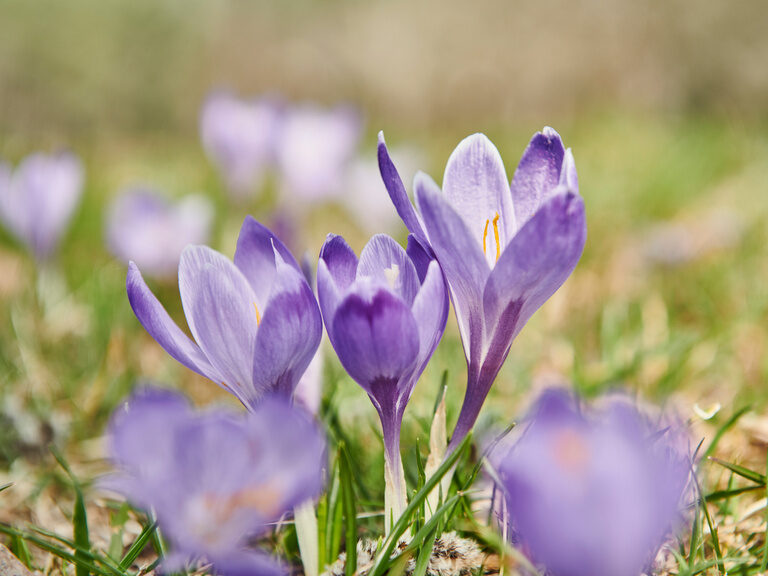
(145, 227)
(314, 148)
(504, 249)
(592, 493)
(256, 322)
(38, 199)
(385, 314)
(239, 138)
(214, 479)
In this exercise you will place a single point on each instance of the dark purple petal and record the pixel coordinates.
(255, 257)
(385, 261)
(163, 329)
(375, 337)
(476, 186)
(537, 175)
(461, 259)
(419, 255)
(430, 309)
(288, 335)
(397, 192)
(340, 260)
(222, 314)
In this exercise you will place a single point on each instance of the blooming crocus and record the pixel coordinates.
(214, 479)
(38, 199)
(385, 314)
(592, 492)
(504, 249)
(239, 138)
(145, 227)
(314, 148)
(256, 322)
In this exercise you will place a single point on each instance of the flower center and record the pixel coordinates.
(495, 223)
(392, 274)
(571, 452)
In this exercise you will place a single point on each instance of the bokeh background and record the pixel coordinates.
(665, 105)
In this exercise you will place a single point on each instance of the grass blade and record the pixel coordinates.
(79, 515)
(138, 545)
(755, 477)
(724, 428)
(350, 509)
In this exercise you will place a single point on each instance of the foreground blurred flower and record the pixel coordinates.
(504, 251)
(214, 479)
(314, 148)
(256, 322)
(38, 199)
(592, 494)
(145, 227)
(239, 138)
(385, 315)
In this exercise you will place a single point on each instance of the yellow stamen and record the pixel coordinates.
(485, 235)
(258, 315)
(495, 234)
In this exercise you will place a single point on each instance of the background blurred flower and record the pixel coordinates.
(239, 138)
(385, 315)
(504, 249)
(595, 493)
(145, 227)
(38, 199)
(314, 148)
(214, 479)
(256, 322)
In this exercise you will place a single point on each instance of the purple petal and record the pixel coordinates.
(245, 563)
(419, 255)
(568, 177)
(476, 186)
(385, 261)
(255, 257)
(288, 335)
(163, 329)
(536, 263)
(340, 260)
(430, 309)
(220, 307)
(376, 338)
(460, 258)
(397, 193)
(537, 175)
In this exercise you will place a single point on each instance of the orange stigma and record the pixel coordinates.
(495, 222)
(258, 315)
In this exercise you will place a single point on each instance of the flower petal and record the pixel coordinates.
(430, 309)
(476, 186)
(163, 329)
(535, 264)
(537, 174)
(255, 257)
(288, 336)
(420, 256)
(460, 258)
(385, 261)
(340, 260)
(397, 193)
(376, 337)
(219, 305)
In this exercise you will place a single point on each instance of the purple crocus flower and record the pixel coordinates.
(38, 199)
(385, 314)
(256, 322)
(214, 479)
(504, 249)
(239, 137)
(145, 227)
(592, 493)
(315, 146)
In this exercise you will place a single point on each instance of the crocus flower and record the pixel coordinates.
(239, 138)
(145, 227)
(37, 201)
(256, 322)
(592, 493)
(214, 479)
(385, 314)
(504, 249)
(314, 148)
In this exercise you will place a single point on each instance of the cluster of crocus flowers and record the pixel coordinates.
(149, 229)
(38, 199)
(385, 314)
(592, 492)
(504, 249)
(256, 322)
(214, 480)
